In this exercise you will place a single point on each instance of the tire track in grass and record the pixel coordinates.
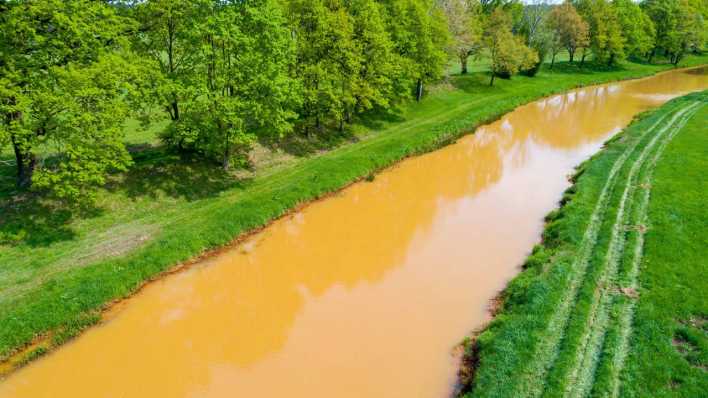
(581, 375)
(627, 307)
(547, 349)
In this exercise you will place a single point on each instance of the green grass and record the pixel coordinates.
(669, 346)
(567, 325)
(57, 268)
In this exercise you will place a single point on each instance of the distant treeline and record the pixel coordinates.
(229, 73)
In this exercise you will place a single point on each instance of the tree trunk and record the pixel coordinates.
(419, 90)
(675, 59)
(651, 54)
(553, 60)
(175, 109)
(571, 54)
(491, 82)
(582, 59)
(463, 64)
(26, 162)
(226, 162)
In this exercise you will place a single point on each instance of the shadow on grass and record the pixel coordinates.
(158, 172)
(29, 218)
(33, 219)
(476, 83)
(377, 119)
(578, 68)
(302, 144)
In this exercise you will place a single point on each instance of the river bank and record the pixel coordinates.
(605, 291)
(74, 273)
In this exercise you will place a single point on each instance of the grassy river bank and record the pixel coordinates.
(59, 270)
(613, 303)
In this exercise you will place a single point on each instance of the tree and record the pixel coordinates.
(663, 13)
(606, 39)
(689, 34)
(85, 110)
(679, 27)
(327, 59)
(555, 41)
(376, 70)
(241, 79)
(538, 36)
(464, 21)
(419, 33)
(507, 52)
(167, 36)
(568, 28)
(637, 28)
(63, 85)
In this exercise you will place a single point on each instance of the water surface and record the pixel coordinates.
(366, 293)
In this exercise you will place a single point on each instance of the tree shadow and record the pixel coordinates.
(586, 68)
(30, 218)
(378, 118)
(477, 83)
(159, 172)
(315, 140)
(34, 218)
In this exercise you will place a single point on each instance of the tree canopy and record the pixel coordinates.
(64, 81)
(224, 74)
(508, 53)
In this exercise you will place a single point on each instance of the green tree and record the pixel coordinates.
(167, 36)
(568, 29)
(537, 35)
(327, 62)
(680, 26)
(243, 90)
(419, 33)
(606, 39)
(62, 92)
(376, 71)
(464, 21)
(664, 14)
(637, 28)
(689, 34)
(508, 53)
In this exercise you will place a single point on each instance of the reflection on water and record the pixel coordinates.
(363, 294)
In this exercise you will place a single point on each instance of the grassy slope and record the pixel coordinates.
(565, 325)
(670, 342)
(57, 271)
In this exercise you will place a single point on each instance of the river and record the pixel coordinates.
(365, 293)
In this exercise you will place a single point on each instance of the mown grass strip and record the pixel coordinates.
(560, 378)
(667, 352)
(617, 353)
(547, 349)
(582, 371)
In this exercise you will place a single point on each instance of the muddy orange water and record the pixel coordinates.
(366, 293)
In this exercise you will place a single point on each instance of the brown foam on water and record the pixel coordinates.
(366, 293)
